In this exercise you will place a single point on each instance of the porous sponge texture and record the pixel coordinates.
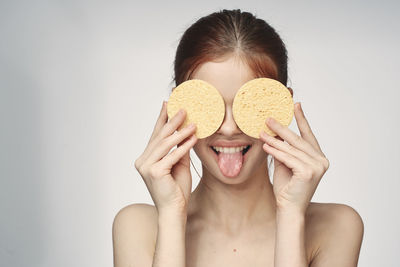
(259, 99)
(203, 103)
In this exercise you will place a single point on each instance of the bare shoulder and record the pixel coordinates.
(334, 228)
(134, 233)
(324, 216)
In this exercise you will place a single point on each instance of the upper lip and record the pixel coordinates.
(224, 143)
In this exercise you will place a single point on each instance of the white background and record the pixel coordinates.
(82, 84)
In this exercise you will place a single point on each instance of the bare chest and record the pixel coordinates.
(214, 249)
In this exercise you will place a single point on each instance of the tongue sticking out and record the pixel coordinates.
(230, 163)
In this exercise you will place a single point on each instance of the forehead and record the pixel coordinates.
(227, 76)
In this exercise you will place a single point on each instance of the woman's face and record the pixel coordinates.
(235, 168)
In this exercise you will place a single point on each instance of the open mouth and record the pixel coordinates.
(244, 150)
(230, 160)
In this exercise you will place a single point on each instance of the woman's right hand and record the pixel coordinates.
(167, 176)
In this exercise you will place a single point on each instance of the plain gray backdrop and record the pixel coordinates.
(82, 84)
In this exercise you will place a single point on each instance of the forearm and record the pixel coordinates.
(170, 244)
(289, 240)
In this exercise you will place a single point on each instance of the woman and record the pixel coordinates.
(239, 220)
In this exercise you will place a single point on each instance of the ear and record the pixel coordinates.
(291, 91)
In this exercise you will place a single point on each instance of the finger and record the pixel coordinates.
(162, 119)
(285, 147)
(171, 126)
(168, 143)
(172, 158)
(289, 160)
(292, 138)
(305, 129)
(185, 160)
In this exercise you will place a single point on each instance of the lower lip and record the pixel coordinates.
(244, 157)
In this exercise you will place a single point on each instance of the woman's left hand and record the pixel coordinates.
(299, 164)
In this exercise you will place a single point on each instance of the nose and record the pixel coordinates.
(229, 126)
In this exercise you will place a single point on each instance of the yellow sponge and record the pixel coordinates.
(204, 106)
(259, 99)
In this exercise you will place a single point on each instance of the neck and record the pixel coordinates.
(235, 206)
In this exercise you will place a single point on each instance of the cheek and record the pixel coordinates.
(259, 150)
(200, 149)
(205, 157)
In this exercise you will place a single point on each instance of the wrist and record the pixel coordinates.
(290, 212)
(173, 215)
(293, 209)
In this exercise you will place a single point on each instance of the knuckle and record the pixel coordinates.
(324, 162)
(177, 118)
(172, 127)
(169, 125)
(308, 174)
(321, 169)
(143, 170)
(187, 129)
(178, 136)
(317, 167)
(179, 131)
(170, 139)
(138, 163)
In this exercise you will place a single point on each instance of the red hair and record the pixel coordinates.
(228, 32)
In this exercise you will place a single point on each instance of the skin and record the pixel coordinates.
(247, 220)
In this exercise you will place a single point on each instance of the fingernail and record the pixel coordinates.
(191, 126)
(181, 111)
(270, 120)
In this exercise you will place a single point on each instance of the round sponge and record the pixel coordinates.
(259, 99)
(204, 106)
